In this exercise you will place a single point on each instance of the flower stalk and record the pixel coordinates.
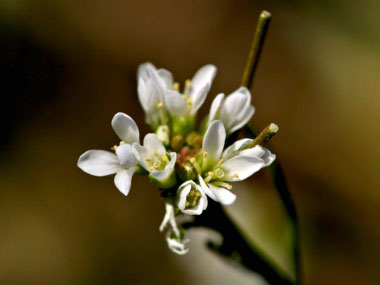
(256, 47)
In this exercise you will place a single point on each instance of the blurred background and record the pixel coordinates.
(66, 67)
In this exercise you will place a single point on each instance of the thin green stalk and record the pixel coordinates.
(277, 173)
(256, 47)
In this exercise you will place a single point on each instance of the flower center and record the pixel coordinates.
(192, 199)
(157, 162)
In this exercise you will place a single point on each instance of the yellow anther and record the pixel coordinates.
(235, 175)
(205, 154)
(148, 159)
(165, 158)
(187, 204)
(176, 86)
(160, 105)
(151, 168)
(114, 147)
(229, 187)
(192, 160)
(192, 192)
(197, 194)
(122, 142)
(155, 153)
(221, 161)
(189, 101)
(194, 203)
(187, 83)
(210, 173)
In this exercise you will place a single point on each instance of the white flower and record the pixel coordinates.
(194, 94)
(191, 198)
(152, 85)
(123, 163)
(173, 236)
(234, 111)
(234, 164)
(154, 158)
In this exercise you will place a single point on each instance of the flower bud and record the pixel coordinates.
(163, 134)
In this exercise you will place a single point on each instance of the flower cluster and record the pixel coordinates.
(186, 160)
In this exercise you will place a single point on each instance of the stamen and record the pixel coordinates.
(160, 105)
(187, 83)
(187, 204)
(122, 142)
(205, 154)
(151, 168)
(220, 162)
(196, 165)
(176, 86)
(235, 176)
(155, 153)
(165, 158)
(189, 101)
(223, 184)
(210, 175)
(114, 148)
(148, 159)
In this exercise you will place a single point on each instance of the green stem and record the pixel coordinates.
(256, 47)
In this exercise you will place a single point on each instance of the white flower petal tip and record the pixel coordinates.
(176, 246)
(213, 143)
(99, 163)
(234, 111)
(123, 180)
(191, 199)
(126, 128)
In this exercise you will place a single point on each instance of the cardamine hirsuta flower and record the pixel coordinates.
(188, 161)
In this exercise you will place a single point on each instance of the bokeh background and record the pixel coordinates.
(66, 67)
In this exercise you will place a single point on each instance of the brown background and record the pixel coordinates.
(68, 66)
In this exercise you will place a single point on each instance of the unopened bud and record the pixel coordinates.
(177, 142)
(163, 134)
(194, 139)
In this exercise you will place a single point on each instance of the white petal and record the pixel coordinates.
(154, 145)
(99, 162)
(144, 70)
(206, 189)
(183, 191)
(199, 98)
(141, 153)
(213, 143)
(235, 148)
(175, 103)
(242, 166)
(223, 195)
(262, 153)
(215, 107)
(125, 155)
(205, 75)
(126, 128)
(177, 246)
(161, 175)
(167, 77)
(123, 179)
(243, 119)
(232, 106)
